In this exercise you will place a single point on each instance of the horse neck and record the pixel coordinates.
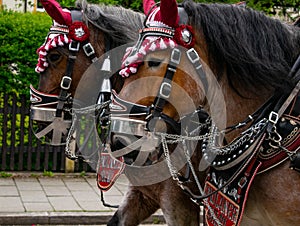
(97, 39)
(239, 107)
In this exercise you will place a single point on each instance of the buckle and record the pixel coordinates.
(175, 56)
(88, 49)
(242, 182)
(192, 55)
(74, 46)
(65, 82)
(273, 117)
(165, 90)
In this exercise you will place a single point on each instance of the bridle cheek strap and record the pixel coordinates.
(163, 95)
(67, 78)
(166, 85)
(74, 48)
(195, 61)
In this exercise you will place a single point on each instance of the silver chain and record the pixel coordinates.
(75, 111)
(178, 139)
(172, 168)
(247, 135)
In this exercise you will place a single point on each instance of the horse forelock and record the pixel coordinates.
(120, 24)
(255, 49)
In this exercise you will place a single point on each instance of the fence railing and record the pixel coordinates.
(19, 148)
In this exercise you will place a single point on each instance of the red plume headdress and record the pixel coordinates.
(62, 32)
(162, 31)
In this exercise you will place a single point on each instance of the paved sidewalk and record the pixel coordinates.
(61, 199)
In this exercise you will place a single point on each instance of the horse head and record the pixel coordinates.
(78, 38)
(161, 96)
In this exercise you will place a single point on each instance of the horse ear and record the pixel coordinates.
(56, 12)
(169, 12)
(147, 5)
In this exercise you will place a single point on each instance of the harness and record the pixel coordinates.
(265, 131)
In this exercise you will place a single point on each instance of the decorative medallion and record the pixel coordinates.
(78, 31)
(184, 36)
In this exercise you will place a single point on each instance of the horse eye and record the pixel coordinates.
(53, 57)
(154, 63)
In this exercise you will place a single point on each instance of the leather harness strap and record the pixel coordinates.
(74, 48)
(284, 101)
(166, 85)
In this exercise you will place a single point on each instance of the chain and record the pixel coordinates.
(90, 109)
(173, 170)
(75, 111)
(68, 151)
(247, 135)
(188, 158)
(179, 138)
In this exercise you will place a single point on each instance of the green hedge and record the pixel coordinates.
(20, 36)
(22, 33)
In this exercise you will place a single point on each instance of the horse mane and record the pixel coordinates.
(119, 24)
(255, 49)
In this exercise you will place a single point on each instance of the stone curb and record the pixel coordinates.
(65, 218)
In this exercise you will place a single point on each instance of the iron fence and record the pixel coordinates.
(20, 150)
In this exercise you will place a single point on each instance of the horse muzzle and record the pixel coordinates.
(129, 135)
(46, 125)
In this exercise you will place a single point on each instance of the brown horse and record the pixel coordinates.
(61, 68)
(109, 27)
(252, 57)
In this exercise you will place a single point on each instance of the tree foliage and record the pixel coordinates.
(22, 33)
(267, 6)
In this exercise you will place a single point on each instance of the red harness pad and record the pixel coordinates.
(226, 204)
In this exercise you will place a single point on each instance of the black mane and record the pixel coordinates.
(121, 25)
(254, 49)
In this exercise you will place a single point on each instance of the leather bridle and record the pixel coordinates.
(122, 111)
(55, 109)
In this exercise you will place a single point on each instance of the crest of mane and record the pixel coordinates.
(256, 50)
(120, 24)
